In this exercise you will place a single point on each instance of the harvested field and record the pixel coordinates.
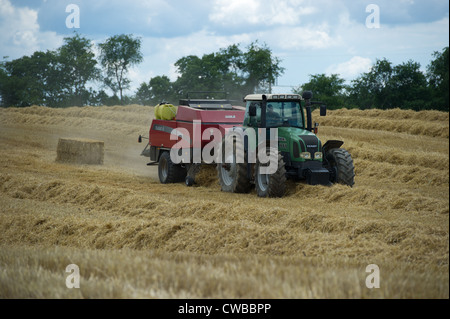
(133, 237)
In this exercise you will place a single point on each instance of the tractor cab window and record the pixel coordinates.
(279, 113)
(273, 115)
(290, 114)
(284, 113)
(254, 121)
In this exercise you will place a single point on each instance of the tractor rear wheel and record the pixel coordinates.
(233, 177)
(169, 172)
(340, 164)
(271, 185)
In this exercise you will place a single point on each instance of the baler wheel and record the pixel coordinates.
(169, 172)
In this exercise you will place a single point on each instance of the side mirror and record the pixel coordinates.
(323, 110)
(252, 110)
(307, 95)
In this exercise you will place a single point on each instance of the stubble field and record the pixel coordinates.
(135, 238)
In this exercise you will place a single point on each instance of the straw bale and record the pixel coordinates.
(80, 151)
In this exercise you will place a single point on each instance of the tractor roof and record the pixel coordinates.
(287, 96)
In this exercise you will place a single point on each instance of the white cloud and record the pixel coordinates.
(254, 12)
(396, 43)
(352, 68)
(295, 38)
(234, 11)
(20, 33)
(18, 25)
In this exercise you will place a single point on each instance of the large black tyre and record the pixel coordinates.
(233, 177)
(169, 172)
(340, 164)
(271, 185)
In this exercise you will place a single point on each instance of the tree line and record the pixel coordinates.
(387, 86)
(60, 78)
(64, 77)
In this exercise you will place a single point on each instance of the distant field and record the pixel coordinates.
(133, 237)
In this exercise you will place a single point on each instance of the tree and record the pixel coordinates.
(143, 94)
(328, 89)
(386, 86)
(161, 90)
(409, 86)
(117, 55)
(229, 70)
(78, 66)
(261, 68)
(158, 89)
(196, 74)
(372, 89)
(231, 67)
(101, 98)
(437, 74)
(30, 80)
(53, 78)
(212, 72)
(3, 80)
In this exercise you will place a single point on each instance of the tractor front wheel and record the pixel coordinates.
(341, 167)
(233, 176)
(271, 185)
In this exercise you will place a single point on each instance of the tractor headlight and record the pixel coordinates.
(318, 155)
(305, 155)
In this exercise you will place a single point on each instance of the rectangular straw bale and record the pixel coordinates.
(80, 151)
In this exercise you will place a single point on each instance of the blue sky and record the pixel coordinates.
(309, 36)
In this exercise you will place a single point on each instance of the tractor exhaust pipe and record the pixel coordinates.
(308, 119)
(263, 111)
(307, 96)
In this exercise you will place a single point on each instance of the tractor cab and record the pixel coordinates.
(279, 113)
(290, 114)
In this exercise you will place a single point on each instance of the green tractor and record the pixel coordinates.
(300, 154)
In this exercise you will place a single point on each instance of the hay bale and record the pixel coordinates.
(80, 151)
